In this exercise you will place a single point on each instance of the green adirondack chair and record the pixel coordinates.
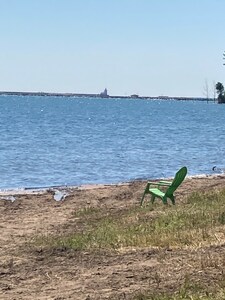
(169, 186)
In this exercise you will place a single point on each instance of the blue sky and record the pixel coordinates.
(148, 47)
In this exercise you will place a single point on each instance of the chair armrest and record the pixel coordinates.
(151, 182)
(162, 182)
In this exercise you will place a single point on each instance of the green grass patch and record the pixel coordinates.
(194, 223)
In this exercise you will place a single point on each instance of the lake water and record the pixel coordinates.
(48, 141)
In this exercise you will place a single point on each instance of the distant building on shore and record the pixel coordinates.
(104, 94)
(134, 96)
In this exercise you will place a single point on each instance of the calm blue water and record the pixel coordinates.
(49, 141)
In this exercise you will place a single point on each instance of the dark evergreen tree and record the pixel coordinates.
(220, 92)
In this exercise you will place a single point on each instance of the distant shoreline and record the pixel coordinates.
(46, 94)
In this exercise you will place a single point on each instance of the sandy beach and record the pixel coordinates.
(29, 272)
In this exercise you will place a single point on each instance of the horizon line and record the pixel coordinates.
(72, 94)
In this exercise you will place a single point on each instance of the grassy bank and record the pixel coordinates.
(197, 222)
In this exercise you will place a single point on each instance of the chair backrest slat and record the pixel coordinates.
(179, 177)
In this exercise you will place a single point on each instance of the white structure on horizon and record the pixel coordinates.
(104, 93)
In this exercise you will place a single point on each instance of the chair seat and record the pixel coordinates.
(157, 192)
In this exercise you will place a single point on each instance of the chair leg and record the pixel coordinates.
(164, 200)
(142, 199)
(153, 198)
(145, 192)
(172, 199)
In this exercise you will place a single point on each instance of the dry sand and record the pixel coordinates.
(26, 273)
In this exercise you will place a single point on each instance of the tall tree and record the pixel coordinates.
(206, 89)
(220, 92)
(214, 90)
(219, 88)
